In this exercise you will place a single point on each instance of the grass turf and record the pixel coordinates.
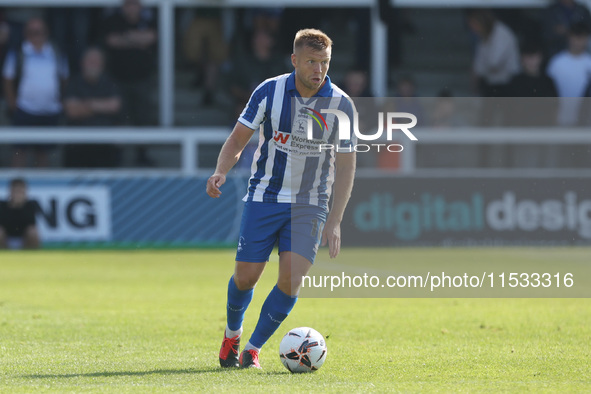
(153, 321)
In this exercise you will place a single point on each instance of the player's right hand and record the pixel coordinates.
(213, 185)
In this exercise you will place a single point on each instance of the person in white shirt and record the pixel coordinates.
(33, 79)
(496, 60)
(571, 72)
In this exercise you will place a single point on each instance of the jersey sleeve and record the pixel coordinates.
(254, 113)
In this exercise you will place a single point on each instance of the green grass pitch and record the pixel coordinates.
(153, 320)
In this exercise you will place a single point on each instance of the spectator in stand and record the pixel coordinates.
(34, 76)
(559, 16)
(267, 19)
(497, 55)
(534, 104)
(356, 85)
(496, 62)
(92, 99)
(130, 38)
(407, 100)
(571, 72)
(206, 49)
(4, 36)
(444, 114)
(248, 71)
(530, 83)
(17, 18)
(18, 227)
(68, 22)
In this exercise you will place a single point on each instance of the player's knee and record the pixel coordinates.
(244, 281)
(289, 285)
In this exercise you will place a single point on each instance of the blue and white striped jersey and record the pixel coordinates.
(288, 167)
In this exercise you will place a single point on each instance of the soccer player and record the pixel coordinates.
(289, 190)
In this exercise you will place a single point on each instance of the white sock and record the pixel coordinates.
(250, 346)
(232, 334)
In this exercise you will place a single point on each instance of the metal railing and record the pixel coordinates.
(189, 140)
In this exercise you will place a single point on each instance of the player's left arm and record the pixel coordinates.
(343, 184)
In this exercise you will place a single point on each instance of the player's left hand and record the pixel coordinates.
(213, 185)
(331, 235)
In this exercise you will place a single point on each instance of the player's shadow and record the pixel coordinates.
(187, 371)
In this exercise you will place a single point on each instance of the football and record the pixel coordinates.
(302, 349)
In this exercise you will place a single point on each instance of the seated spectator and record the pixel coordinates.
(404, 100)
(34, 76)
(18, 227)
(407, 100)
(571, 72)
(355, 84)
(534, 105)
(92, 99)
(444, 114)
(249, 71)
(532, 82)
(558, 17)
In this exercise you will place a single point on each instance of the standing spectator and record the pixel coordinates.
(206, 49)
(571, 72)
(18, 227)
(130, 37)
(17, 18)
(559, 16)
(497, 55)
(496, 61)
(92, 99)
(34, 77)
(67, 23)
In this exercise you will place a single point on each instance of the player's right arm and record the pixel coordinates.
(228, 157)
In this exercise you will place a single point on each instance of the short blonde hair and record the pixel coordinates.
(312, 38)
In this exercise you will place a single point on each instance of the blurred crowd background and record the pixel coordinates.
(92, 66)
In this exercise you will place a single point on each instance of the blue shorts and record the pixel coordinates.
(294, 227)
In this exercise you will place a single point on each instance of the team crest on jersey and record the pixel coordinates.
(306, 117)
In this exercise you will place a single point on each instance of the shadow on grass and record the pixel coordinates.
(132, 373)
